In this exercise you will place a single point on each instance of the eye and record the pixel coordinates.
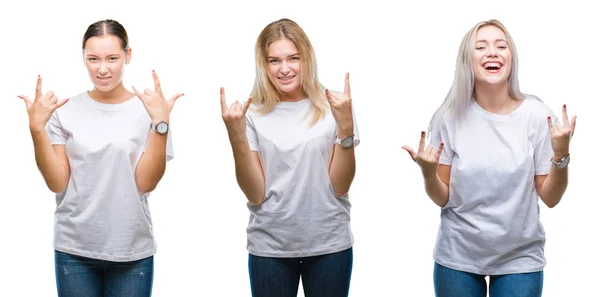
(295, 59)
(92, 59)
(503, 46)
(273, 61)
(479, 47)
(113, 58)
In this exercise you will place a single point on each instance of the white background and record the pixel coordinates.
(401, 59)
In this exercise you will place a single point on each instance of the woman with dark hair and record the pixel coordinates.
(102, 154)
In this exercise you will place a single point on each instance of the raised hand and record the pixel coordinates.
(341, 106)
(41, 109)
(561, 133)
(234, 116)
(428, 157)
(157, 107)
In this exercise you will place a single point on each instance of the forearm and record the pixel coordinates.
(436, 189)
(151, 166)
(343, 163)
(52, 170)
(248, 173)
(342, 170)
(554, 186)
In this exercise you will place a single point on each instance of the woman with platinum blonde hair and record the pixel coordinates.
(493, 152)
(294, 162)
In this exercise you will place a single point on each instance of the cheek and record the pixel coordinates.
(272, 71)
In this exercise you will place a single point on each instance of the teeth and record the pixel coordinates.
(497, 65)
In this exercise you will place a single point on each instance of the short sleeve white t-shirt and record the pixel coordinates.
(101, 214)
(491, 225)
(300, 215)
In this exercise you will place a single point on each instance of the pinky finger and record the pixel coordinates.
(59, 104)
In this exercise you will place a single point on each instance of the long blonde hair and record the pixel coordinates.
(461, 94)
(264, 92)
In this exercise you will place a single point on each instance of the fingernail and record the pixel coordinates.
(153, 70)
(548, 117)
(422, 132)
(564, 106)
(442, 144)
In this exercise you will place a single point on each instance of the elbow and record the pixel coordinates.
(57, 188)
(340, 191)
(551, 204)
(258, 200)
(146, 188)
(340, 194)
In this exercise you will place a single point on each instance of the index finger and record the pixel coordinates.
(156, 82)
(565, 117)
(38, 87)
(422, 142)
(223, 102)
(347, 84)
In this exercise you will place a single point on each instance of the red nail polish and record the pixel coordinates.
(422, 132)
(564, 106)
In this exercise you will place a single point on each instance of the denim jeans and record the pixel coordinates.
(322, 276)
(453, 283)
(80, 276)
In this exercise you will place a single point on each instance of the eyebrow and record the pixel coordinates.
(271, 57)
(497, 40)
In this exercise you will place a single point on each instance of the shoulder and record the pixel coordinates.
(73, 105)
(536, 108)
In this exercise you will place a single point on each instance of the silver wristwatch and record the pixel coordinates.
(564, 161)
(160, 127)
(347, 142)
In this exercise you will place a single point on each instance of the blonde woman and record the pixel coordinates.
(494, 151)
(294, 161)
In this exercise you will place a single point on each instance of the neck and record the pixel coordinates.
(495, 98)
(293, 96)
(116, 95)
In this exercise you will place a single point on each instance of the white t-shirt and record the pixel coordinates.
(491, 224)
(101, 214)
(300, 215)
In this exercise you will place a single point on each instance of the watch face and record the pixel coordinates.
(564, 162)
(162, 127)
(347, 141)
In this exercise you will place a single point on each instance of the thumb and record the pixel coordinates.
(26, 100)
(410, 151)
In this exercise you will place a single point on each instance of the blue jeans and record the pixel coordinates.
(453, 283)
(322, 276)
(80, 276)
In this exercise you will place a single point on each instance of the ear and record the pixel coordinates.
(127, 55)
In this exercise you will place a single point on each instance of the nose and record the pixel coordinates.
(285, 69)
(492, 52)
(103, 69)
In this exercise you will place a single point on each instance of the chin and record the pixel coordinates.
(104, 88)
(288, 88)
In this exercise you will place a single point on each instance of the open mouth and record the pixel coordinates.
(492, 66)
